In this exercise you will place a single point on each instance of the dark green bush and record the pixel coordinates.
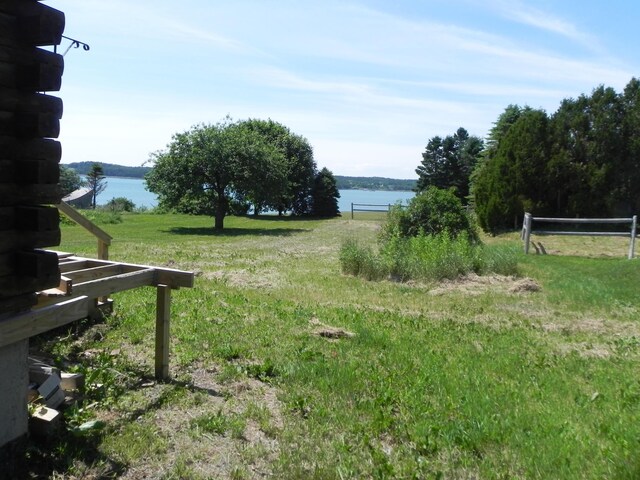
(431, 212)
(120, 204)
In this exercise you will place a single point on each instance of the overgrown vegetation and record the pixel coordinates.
(465, 379)
(431, 239)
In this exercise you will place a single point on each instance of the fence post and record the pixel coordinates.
(632, 245)
(351, 210)
(527, 231)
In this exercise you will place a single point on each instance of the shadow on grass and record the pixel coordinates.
(46, 458)
(235, 232)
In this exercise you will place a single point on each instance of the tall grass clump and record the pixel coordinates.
(361, 261)
(431, 239)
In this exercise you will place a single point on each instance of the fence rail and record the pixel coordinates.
(370, 207)
(527, 229)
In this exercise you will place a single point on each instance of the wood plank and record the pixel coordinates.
(65, 285)
(29, 171)
(16, 304)
(33, 218)
(17, 240)
(69, 266)
(32, 194)
(163, 339)
(22, 285)
(164, 276)
(582, 234)
(106, 286)
(36, 218)
(34, 322)
(38, 77)
(582, 220)
(30, 56)
(84, 222)
(62, 255)
(31, 149)
(31, 23)
(94, 273)
(36, 263)
(29, 125)
(12, 100)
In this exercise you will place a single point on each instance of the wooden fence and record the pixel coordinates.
(368, 207)
(527, 229)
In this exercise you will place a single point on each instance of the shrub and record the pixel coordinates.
(120, 204)
(431, 212)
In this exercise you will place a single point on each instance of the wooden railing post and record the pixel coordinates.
(632, 244)
(163, 317)
(103, 250)
(527, 231)
(104, 239)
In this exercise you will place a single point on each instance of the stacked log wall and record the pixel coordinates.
(29, 155)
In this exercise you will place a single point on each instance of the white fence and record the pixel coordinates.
(527, 229)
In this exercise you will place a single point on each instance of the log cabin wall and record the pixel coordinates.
(29, 176)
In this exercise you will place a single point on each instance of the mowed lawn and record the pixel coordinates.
(284, 367)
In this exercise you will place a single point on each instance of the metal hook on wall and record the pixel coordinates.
(74, 44)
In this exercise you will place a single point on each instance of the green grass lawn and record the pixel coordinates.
(468, 379)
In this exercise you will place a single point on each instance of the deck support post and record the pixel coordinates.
(163, 316)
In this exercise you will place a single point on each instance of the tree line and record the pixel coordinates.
(110, 169)
(581, 161)
(233, 166)
(375, 183)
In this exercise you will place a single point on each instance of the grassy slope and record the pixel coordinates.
(487, 384)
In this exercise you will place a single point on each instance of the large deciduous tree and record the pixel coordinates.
(299, 166)
(448, 162)
(215, 169)
(205, 168)
(70, 180)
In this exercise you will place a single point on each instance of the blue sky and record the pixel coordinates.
(366, 82)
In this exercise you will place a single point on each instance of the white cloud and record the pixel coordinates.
(549, 22)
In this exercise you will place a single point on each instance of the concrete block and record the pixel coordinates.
(14, 379)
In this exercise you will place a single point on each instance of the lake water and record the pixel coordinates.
(134, 190)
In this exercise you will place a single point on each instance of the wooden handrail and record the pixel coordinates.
(104, 239)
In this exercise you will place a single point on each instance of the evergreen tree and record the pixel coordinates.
(96, 181)
(448, 162)
(325, 194)
(513, 181)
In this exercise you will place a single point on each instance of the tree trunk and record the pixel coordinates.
(221, 211)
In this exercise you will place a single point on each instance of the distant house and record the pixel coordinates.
(80, 198)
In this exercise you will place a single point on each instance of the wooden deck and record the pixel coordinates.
(85, 284)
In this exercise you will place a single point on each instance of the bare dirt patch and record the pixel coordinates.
(479, 284)
(584, 349)
(328, 331)
(244, 452)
